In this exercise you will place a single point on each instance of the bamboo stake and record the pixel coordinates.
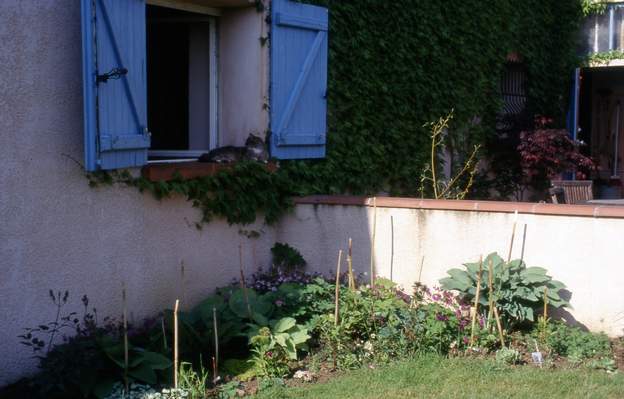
(523, 242)
(476, 302)
(490, 292)
(175, 343)
(500, 327)
(242, 276)
(513, 235)
(214, 371)
(337, 306)
(215, 358)
(391, 247)
(422, 265)
(372, 254)
(545, 304)
(350, 265)
(125, 332)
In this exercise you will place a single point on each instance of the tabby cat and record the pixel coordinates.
(254, 150)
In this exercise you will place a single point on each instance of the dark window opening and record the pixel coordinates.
(178, 82)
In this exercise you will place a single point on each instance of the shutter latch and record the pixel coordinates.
(114, 73)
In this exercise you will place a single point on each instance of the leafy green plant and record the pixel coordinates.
(272, 348)
(507, 356)
(229, 390)
(287, 258)
(193, 382)
(576, 344)
(518, 290)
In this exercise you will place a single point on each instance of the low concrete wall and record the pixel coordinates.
(584, 252)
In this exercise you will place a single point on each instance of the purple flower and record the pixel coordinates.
(441, 317)
(436, 297)
(466, 340)
(279, 303)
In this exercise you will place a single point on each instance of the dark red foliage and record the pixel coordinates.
(546, 153)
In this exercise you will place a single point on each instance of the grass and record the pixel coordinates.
(435, 377)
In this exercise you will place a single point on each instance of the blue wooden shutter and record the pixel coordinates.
(115, 109)
(298, 80)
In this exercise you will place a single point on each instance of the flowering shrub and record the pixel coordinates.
(266, 281)
(545, 153)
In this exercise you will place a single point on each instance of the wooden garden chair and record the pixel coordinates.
(571, 191)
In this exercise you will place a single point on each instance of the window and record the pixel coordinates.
(181, 83)
(161, 81)
(604, 32)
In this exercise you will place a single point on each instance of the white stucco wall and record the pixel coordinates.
(585, 253)
(55, 231)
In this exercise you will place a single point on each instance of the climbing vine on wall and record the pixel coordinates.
(396, 65)
(236, 195)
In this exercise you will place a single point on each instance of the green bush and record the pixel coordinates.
(576, 344)
(518, 290)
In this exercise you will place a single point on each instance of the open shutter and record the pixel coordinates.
(298, 80)
(115, 91)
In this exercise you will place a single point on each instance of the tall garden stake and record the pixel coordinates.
(513, 236)
(490, 292)
(476, 302)
(337, 306)
(523, 242)
(391, 247)
(545, 304)
(125, 333)
(175, 343)
(215, 358)
(350, 265)
(422, 264)
(500, 327)
(372, 253)
(242, 276)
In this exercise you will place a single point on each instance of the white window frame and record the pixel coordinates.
(213, 106)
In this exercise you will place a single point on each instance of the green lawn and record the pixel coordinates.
(433, 377)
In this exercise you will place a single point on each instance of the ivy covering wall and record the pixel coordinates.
(395, 65)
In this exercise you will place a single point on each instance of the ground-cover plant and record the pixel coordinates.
(517, 290)
(574, 343)
(90, 359)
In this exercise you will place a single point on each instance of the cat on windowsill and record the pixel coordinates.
(254, 150)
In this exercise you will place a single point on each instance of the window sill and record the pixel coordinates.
(189, 170)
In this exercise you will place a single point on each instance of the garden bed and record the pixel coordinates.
(284, 328)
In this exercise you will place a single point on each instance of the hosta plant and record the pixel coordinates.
(518, 290)
(273, 348)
